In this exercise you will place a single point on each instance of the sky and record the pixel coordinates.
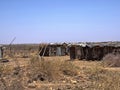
(38, 21)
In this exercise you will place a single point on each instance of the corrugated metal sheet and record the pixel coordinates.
(58, 51)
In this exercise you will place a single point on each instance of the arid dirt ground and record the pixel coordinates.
(57, 73)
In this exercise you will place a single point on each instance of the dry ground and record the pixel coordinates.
(57, 73)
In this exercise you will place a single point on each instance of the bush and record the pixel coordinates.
(112, 60)
(49, 70)
(68, 68)
(43, 69)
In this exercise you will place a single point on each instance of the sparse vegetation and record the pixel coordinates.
(51, 69)
(112, 60)
(103, 79)
(59, 73)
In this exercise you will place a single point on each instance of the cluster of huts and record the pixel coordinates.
(87, 51)
(93, 51)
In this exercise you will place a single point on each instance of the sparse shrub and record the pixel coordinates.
(68, 68)
(112, 60)
(43, 69)
(50, 70)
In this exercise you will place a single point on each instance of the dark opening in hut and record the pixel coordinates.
(1, 52)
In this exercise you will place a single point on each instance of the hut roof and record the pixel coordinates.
(93, 44)
(57, 44)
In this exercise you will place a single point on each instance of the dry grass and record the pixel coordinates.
(50, 69)
(11, 76)
(103, 79)
(100, 77)
(58, 73)
(21, 50)
(112, 60)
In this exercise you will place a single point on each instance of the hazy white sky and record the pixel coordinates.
(35, 21)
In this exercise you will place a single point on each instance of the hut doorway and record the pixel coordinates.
(1, 53)
(58, 52)
(72, 53)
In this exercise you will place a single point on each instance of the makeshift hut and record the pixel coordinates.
(93, 51)
(53, 50)
(1, 52)
(78, 51)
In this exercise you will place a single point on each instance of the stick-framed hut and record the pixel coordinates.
(53, 49)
